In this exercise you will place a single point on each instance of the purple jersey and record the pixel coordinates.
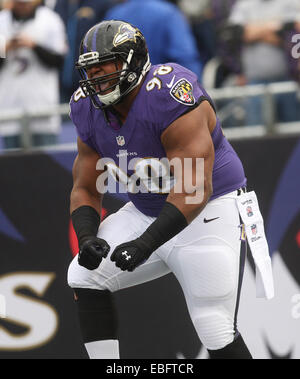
(168, 92)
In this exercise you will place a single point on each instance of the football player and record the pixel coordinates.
(159, 112)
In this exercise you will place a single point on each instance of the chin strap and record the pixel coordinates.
(114, 96)
(146, 68)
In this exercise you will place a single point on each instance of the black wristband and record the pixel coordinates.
(48, 57)
(169, 223)
(86, 221)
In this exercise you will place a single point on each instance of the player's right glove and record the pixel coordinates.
(92, 251)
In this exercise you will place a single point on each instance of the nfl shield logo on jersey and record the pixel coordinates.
(120, 140)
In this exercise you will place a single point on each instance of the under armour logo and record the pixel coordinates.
(126, 255)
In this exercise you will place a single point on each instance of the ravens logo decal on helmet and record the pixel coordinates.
(126, 33)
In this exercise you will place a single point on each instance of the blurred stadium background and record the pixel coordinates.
(248, 51)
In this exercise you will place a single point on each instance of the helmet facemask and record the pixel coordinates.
(123, 80)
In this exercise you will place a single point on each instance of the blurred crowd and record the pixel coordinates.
(225, 42)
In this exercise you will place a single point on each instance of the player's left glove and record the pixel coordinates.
(129, 255)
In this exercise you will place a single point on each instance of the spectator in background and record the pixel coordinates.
(5, 4)
(49, 3)
(263, 57)
(199, 16)
(228, 40)
(166, 29)
(221, 10)
(79, 16)
(207, 18)
(36, 44)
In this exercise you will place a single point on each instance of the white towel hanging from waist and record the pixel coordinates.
(249, 211)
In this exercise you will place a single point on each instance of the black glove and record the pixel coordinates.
(169, 223)
(92, 251)
(129, 255)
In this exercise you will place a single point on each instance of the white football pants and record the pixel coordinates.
(206, 258)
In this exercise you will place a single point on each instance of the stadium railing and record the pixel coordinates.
(230, 96)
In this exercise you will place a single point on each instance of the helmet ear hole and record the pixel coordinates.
(131, 77)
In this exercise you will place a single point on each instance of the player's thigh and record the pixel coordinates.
(207, 257)
(208, 263)
(125, 225)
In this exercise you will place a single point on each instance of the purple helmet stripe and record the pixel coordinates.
(94, 45)
(85, 43)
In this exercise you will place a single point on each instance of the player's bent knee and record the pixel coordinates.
(211, 271)
(77, 276)
(97, 316)
(80, 277)
(215, 330)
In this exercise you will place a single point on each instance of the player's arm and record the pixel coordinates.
(266, 32)
(188, 142)
(85, 207)
(187, 137)
(85, 175)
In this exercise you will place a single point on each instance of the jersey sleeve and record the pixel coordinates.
(179, 93)
(80, 114)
